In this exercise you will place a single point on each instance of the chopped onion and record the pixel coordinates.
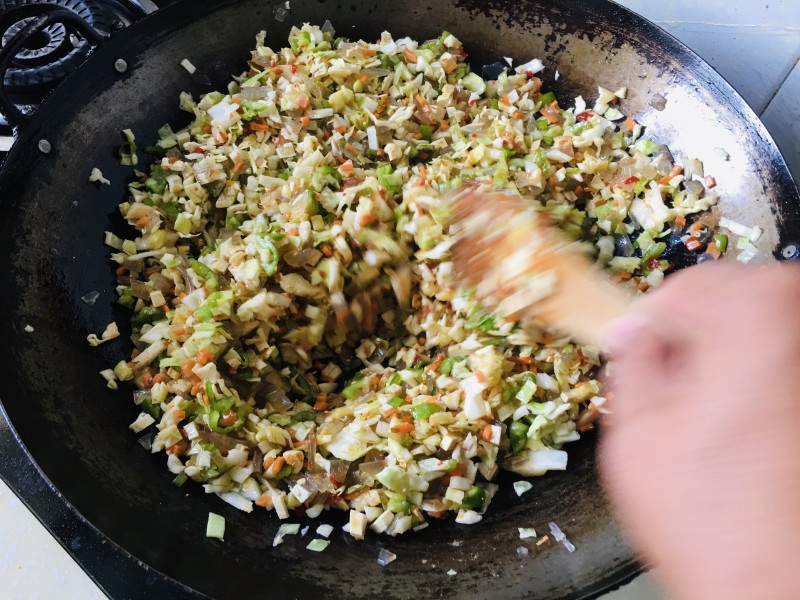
(190, 68)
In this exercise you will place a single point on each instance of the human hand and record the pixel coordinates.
(701, 454)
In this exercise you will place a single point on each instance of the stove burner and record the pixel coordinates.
(56, 51)
(50, 55)
(40, 46)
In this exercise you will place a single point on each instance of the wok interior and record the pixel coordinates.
(53, 220)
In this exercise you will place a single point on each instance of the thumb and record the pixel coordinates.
(642, 364)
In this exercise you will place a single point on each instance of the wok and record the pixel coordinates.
(51, 247)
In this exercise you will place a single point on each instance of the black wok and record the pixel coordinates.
(51, 247)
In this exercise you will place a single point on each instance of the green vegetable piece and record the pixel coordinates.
(180, 479)
(279, 419)
(423, 411)
(215, 528)
(446, 368)
(542, 124)
(547, 98)
(212, 281)
(306, 415)
(147, 406)
(157, 182)
(147, 316)
(654, 251)
(396, 402)
(398, 503)
(721, 242)
(172, 210)
(426, 131)
(270, 265)
(317, 545)
(646, 146)
(474, 497)
(527, 391)
(474, 83)
(518, 434)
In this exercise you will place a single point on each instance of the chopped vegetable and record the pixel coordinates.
(301, 342)
(317, 545)
(216, 526)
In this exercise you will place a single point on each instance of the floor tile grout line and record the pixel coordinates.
(779, 87)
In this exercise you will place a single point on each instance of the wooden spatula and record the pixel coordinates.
(519, 265)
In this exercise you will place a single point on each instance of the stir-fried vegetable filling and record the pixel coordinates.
(300, 339)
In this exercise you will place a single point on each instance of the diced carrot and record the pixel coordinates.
(341, 129)
(369, 52)
(197, 387)
(268, 460)
(459, 470)
(292, 231)
(486, 432)
(187, 366)
(159, 378)
(710, 182)
(351, 148)
(265, 501)
(259, 126)
(403, 428)
(480, 377)
(630, 124)
(148, 379)
(179, 414)
(304, 102)
(177, 448)
(204, 357)
(365, 219)
(135, 352)
(180, 332)
(389, 413)
(121, 271)
(238, 166)
(326, 250)
(680, 221)
(518, 114)
(409, 56)
(346, 167)
(304, 121)
(143, 221)
(276, 466)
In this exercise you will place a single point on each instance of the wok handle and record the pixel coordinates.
(43, 15)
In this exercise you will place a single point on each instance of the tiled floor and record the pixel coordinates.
(755, 44)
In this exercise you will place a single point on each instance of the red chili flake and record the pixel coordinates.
(294, 68)
(529, 74)
(584, 116)
(710, 182)
(631, 180)
(653, 264)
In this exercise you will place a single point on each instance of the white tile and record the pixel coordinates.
(754, 61)
(752, 44)
(33, 566)
(782, 118)
(779, 13)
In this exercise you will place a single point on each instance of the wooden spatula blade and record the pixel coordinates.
(518, 263)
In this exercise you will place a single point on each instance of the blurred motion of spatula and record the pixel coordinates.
(519, 265)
